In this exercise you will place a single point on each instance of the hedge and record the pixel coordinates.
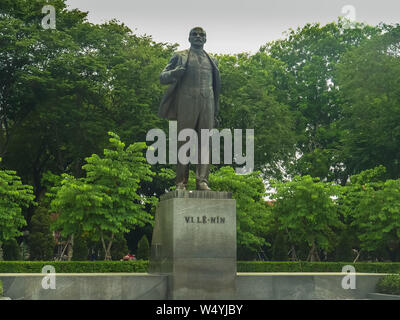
(389, 284)
(242, 266)
(302, 266)
(74, 266)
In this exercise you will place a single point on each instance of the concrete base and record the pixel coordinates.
(86, 286)
(383, 296)
(303, 286)
(194, 242)
(143, 286)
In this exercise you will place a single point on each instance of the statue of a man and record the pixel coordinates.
(191, 99)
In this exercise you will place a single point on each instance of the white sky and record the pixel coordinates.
(232, 26)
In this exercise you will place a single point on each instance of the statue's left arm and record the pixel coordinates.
(172, 72)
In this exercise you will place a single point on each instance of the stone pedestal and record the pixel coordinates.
(194, 242)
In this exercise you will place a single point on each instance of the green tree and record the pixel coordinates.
(250, 100)
(372, 205)
(349, 202)
(105, 203)
(13, 196)
(41, 241)
(310, 55)
(369, 78)
(305, 210)
(143, 250)
(60, 90)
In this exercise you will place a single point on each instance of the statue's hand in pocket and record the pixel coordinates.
(178, 72)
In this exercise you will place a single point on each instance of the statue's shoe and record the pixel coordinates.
(180, 186)
(203, 186)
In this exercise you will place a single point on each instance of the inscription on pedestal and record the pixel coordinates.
(205, 220)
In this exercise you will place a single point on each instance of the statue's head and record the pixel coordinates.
(197, 37)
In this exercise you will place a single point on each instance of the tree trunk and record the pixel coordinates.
(358, 255)
(63, 251)
(107, 249)
(71, 248)
(313, 254)
(108, 255)
(293, 254)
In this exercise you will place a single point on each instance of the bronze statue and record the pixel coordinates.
(191, 99)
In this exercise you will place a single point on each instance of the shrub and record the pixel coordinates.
(302, 266)
(143, 250)
(119, 247)
(74, 266)
(242, 266)
(1, 288)
(11, 250)
(80, 251)
(41, 240)
(389, 284)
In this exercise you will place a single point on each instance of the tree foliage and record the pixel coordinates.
(250, 100)
(13, 196)
(70, 86)
(372, 205)
(105, 203)
(311, 54)
(369, 79)
(306, 211)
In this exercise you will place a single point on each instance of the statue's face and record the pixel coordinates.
(197, 37)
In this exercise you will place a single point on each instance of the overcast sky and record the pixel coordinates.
(232, 26)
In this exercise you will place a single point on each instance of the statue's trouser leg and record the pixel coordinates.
(206, 121)
(188, 114)
(194, 112)
(182, 172)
